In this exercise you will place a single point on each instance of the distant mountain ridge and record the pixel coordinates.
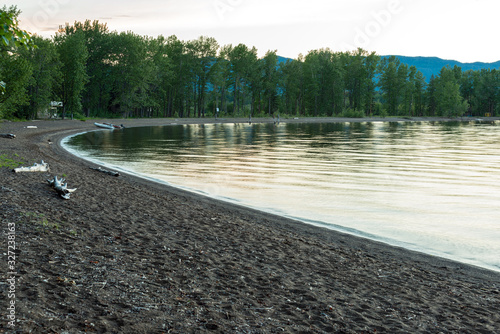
(432, 65)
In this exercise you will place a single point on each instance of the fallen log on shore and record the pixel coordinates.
(42, 167)
(61, 187)
(109, 172)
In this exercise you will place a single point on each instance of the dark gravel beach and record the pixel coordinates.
(125, 255)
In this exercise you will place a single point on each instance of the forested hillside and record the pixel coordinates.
(431, 66)
(100, 73)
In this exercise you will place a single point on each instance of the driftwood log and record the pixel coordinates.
(109, 172)
(61, 187)
(7, 135)
(6, 189)
(43, 167)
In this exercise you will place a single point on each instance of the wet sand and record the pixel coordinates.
(125, 255)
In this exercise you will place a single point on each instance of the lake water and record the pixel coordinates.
(427, 186)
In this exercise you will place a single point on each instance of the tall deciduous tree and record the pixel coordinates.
(488, 92)
(449, 102)
(73, 54)
(270, 80)
(323, 83)
(419, 93)
(391, 83)
(204, 52)
(17, 73)
(360, 69)
(163, 74)
(430, 96)
(46, 76)
(132, 71)
(96, 96)
(175, 50)
(292, 86)
(243, 60)
(220, 73)
(370, 62)
(14, 70)
(354, 78)
(468, 85)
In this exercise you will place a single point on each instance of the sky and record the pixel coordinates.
(463, 30)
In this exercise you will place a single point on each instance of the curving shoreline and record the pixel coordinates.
(129, 255)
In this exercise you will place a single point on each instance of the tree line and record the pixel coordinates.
(100, 73)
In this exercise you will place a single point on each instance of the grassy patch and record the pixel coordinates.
(11, 161)
(39, 221)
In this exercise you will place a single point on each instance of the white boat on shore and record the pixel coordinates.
(108, 126)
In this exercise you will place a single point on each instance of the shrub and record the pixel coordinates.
(351, 113)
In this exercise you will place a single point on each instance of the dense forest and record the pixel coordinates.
(100, 73)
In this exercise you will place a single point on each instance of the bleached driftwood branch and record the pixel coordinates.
(43, 167)
(109, 172)
(61, 187)
(7, 135)
(6, 189)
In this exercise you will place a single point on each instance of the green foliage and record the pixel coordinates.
(446, 91)
(17, 73)
(360, 69)
(324, 89)
(100, 45)
(202, 52)
(39, 221)
(11, 162)
(267, 81)
(486, 94)
(45, 78)
(79, 116)
(419, 87)
(98, 73)
(351, 113)
(291, 74)
(391, 83)
(73, 55)
(11, 35)
(243, 61)
(11, 38)
(133, 73)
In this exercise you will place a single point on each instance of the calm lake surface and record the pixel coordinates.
(427, 186)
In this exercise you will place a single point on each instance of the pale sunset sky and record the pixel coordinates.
(460, 30)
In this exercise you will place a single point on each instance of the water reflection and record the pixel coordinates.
(428, 186)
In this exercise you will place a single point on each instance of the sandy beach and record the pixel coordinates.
(125, 255)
